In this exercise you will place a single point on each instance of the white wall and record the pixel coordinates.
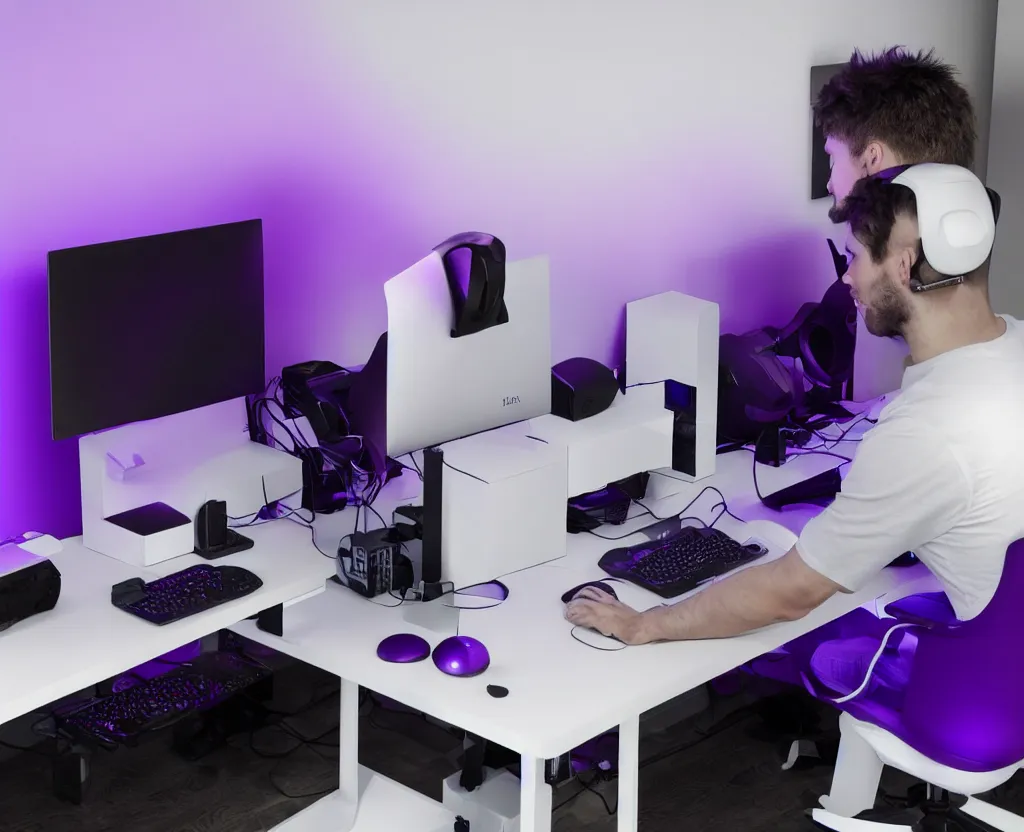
(1006, 159)
(645, 145)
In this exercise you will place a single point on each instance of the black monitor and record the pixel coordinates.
(153, 326)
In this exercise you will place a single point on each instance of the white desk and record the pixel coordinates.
(85, 639)
(561, 692)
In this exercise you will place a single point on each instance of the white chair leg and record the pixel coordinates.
(857, 774)
(993, 815)
(840, 824)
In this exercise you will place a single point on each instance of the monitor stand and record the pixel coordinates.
(431, 586)
(439, 616)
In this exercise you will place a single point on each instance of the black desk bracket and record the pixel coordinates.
(271, 620)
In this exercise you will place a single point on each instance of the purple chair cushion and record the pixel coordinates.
(963, 705)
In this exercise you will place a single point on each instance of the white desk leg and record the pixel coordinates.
(629, 775)
(348, 749)
(534, 797)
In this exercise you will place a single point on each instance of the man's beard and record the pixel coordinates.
(835, 213)
(889, 312)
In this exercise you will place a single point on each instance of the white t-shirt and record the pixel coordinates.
(941, 474)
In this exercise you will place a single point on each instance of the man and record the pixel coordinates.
(890, 109)
(942, 472)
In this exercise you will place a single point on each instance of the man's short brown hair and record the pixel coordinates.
(910, 102)
(872, 209)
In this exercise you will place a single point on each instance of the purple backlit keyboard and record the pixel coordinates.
(184, 593)
(673, 565)
(207, 680)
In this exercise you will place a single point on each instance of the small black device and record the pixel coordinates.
(681, 562)
(213, 537)
(324, 482)
(31, 587)
(608, 505)
(582, 387)
(821, 489)
(373, 564)
(775, 440)
(497, 691)
(183, 593)
(587, 512)
(154, 326)
(152, 518)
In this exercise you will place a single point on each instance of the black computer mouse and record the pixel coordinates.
(568, 596)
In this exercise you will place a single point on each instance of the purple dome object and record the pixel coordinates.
(461, 656)
(403, 648)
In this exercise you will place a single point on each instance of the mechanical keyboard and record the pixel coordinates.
(207, 680)
(670, 566)
(183, 593)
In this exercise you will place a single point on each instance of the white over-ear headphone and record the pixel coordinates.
(955, 218)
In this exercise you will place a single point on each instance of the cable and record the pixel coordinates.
(383, 522)
(735, 718)
(416, 466)
(589, 787)
(661, 519)
(342, 462)
(312, 533)
(725, 511)
(241, 523)
(842, 436)
(572, 632)
(568, 800)
(303, 796)
(26, 749)
(724, 724)
(464, 473)
(723, 504)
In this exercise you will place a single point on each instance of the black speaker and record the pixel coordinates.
(581, 387)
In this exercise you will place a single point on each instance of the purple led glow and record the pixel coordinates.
(363, 134)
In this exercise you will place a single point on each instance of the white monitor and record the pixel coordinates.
(423, 387)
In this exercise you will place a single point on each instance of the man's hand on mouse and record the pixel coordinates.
(594, 608)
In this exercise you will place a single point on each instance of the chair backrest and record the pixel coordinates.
(964, 702)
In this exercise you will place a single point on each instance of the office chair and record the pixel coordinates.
(959, 725)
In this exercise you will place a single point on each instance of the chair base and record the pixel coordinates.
(974, 816)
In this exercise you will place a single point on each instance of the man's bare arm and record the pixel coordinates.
(784, 590)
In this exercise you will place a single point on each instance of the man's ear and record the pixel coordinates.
(905, 266)
(874, 158)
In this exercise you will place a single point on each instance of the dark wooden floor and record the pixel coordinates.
(729, 781)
